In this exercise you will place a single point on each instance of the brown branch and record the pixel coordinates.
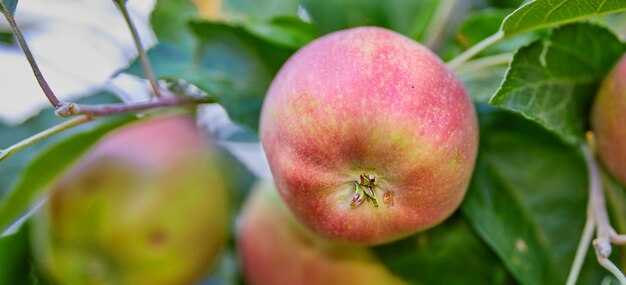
(73, 109)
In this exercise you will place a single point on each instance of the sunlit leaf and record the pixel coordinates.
(553, 81)
(286, 31)
(541, 14)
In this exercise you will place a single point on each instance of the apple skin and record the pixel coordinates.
(608, 121)
(146, 205)
(369, 101)
(276, 249)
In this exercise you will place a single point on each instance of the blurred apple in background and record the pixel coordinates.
(608, 119)
(147, 205)
(276, 249)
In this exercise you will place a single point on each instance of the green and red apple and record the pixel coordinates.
(608, 121)
(276, 249)
(369, 136)
(146, 205)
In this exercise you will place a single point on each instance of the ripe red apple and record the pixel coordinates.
(276, 249)
(145, 206)
(369, 136)
(608, 121)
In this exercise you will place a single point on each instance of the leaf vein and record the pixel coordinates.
(557, 6)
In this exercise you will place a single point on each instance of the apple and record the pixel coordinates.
(146, 205)
(608, 121)
(275, 249)
(369, 136)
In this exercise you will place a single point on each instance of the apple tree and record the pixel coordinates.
(282, 142)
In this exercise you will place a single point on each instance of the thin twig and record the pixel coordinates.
(581, 251)
(31, 59)
(438, 23)
(43, 134)
(610, 266)
(73, 109)
(618, 239)
(145, 63)
(471, 52)
(485, 62)
(597, 204)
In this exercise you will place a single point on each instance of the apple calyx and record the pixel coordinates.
(364, 190)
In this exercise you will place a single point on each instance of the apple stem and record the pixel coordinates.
(145, 63)
(474, 50)
(5, 153)
(358, 197)
(31, 59)
(605, 234)
(364, 190)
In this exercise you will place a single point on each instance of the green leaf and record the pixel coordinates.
(541, 14)
(407, 17)
(6, 37)
(528, 198)
(259, 10)
(14, 259)
(553, 81)
(285, 31)
(169, 20)
(479, 25)
(481, 84)
(44, 168)
(237, 68)
(227, 62)
(168, 61)
(504, 223)
(450, 253)
(505, 3)
(9, 5)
